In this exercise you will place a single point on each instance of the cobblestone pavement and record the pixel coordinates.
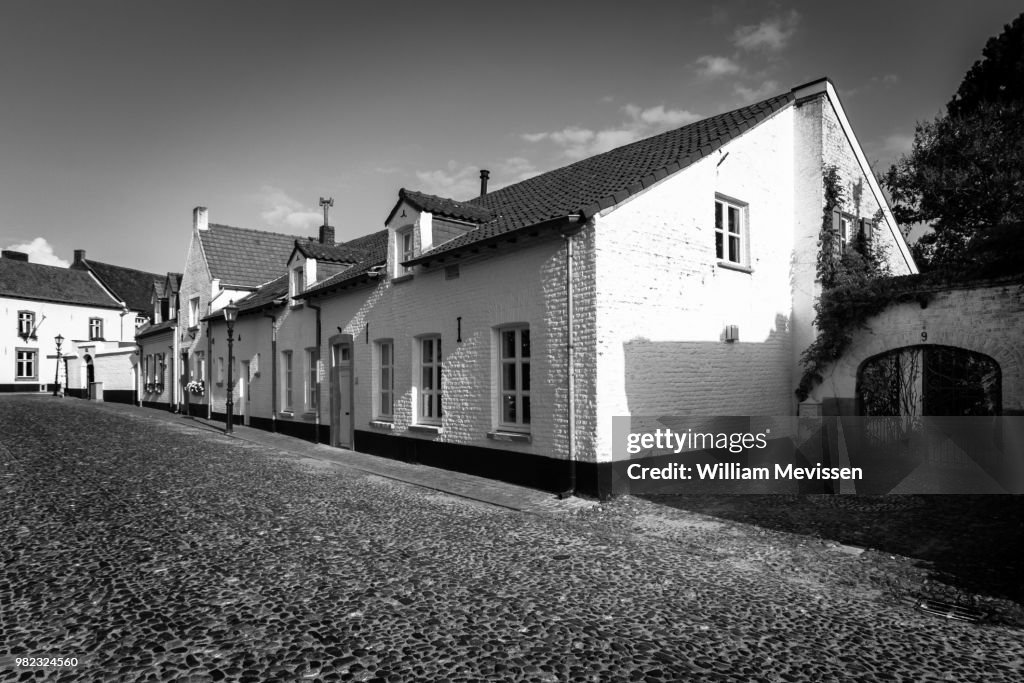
(156, 552)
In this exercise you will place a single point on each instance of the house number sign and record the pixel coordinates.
(924, 336)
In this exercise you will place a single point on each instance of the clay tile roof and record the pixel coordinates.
(150, 330)
(244, 258)
(374, 245)
(24, 280)
(134, 287)
(334, 253)
(264, 296)
(601, 181)
(442, 206)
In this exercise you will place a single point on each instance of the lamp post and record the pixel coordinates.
(230, 316)
(56, 369)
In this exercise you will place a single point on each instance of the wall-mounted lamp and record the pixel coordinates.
(732, 333)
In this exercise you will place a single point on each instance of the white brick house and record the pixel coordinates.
(692, 258)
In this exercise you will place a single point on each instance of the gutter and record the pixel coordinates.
(571, 230)
(273, 371)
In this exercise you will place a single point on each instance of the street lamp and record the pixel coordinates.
(56, 369)
(230, 316)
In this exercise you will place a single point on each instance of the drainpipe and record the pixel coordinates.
(170, 378)
(207, 376)
(273, 371)
(317, 427)
(570, 350)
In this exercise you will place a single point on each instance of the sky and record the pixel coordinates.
(117, 118)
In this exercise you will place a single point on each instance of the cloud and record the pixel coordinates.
(897, 144)
(282, 211)
(462, 181)
(756, 93)
(40, 251)
(890, 79)
(711, 66)
(578, 143)
(770, 35)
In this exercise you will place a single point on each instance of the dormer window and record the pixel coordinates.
(298, 282)
(406, 249)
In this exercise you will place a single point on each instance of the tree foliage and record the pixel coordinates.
(966, 168)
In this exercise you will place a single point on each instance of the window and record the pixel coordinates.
(844, 232)
(146, 366)
(406, 250)
(514, 385)
(311, 383)
(730, 231)
(286, 381)
(95, 328)
(430, 380)
(386, 380)
(298, 282)
(26, 324)
(200, 365)
(193, 312)
(25, 364)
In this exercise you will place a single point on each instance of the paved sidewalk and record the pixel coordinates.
(490, 491)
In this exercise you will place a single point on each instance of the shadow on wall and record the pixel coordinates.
(711, 377)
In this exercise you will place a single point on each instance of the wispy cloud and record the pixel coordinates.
(40, 251)
(758, 92)
(711, 66)
(772, 34)
(577, 142)
(283, 211)
(897, 144)
(462, 181)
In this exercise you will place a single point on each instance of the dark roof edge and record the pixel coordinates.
(113, 307)
(578, 218)
(358, 279)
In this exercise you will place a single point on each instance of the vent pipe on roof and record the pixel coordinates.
(484, 175)
(200, 218)
(79, 255)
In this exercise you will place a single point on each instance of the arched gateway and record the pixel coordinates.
(929, 380)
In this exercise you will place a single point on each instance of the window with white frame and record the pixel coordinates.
(26, 364)
(730, 231)
(147, 368)
(95, 328)
(430, 380)
(286, 381)
(845, 231)
(26, 324)
(406, 249)
(193, 312)
(298, 282)
(385, 379)
(311, 383)
(514, 382)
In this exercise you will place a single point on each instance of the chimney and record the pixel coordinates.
(79, 255)
(200, 218)
(14, 255)
(327, 234)
(484, 175)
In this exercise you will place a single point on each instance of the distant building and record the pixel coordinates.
(40, 303)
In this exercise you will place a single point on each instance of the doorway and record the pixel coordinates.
(341, 391)
(243, 393)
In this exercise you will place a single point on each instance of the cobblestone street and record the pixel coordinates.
(154, 551)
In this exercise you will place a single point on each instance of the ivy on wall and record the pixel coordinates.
(851, 281)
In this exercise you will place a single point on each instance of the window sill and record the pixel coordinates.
(382, 424)
(729, 265)
(26, 379)
(426, 429)
(286, 414)
(520, 437)
(401, 278)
